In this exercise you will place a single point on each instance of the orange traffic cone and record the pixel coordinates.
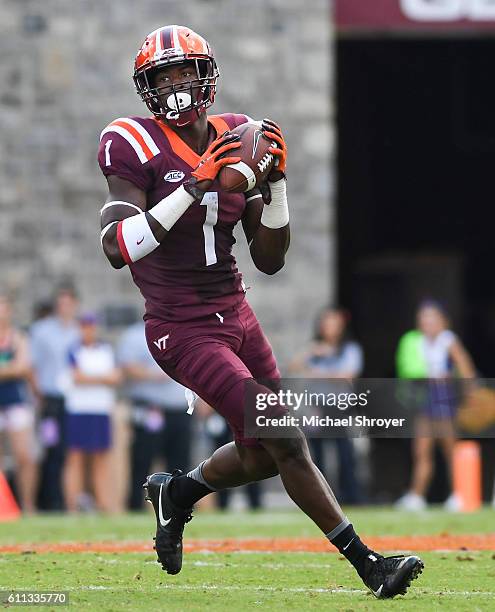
(467, 474)
(9, 510)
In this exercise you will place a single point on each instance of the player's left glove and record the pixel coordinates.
(211, 163)
(272, 131)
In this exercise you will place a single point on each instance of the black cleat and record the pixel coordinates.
(387, 577)
(170, 520)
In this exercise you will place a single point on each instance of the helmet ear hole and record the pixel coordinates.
(203, 67)
(151, 76)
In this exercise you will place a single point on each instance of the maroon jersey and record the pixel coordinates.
(193, 273)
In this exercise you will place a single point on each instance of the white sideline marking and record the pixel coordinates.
(275, 566)
(213, 587)
(210, 587)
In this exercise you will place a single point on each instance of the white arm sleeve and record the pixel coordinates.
(134, 235)
(276, 214)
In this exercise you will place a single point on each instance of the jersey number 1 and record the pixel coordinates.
(210, 200)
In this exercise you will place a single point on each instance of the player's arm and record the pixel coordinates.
(266, 225)
(129, 232)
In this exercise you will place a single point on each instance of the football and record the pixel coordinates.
(256, 160)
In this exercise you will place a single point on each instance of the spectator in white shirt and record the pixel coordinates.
(90, 397)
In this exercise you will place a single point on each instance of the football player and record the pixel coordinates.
(166, 218)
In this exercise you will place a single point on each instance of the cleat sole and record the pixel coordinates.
(401, 585)
(413, 575)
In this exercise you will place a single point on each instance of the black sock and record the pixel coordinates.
(350, 545)
(185, 491)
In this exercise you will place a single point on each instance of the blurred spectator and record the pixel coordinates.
(42, 309)
(90, 397)
(161, 427)
(434, 352)
(16, 413)
(332, 355)
(51, 338)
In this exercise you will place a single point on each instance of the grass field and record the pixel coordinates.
(454, 579)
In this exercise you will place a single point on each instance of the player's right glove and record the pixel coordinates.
(211, 163)
(272, 131)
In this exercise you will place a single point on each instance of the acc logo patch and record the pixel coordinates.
(174, 176)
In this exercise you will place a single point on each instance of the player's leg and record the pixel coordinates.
(231, 465)
(289, 456)
(222, 379)
(201, 357)
(302, 480)
(308, 488)
(384, 576)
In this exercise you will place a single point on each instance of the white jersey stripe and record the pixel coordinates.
(175, 37)
(158, 40)
(130, 139)
(144, 133)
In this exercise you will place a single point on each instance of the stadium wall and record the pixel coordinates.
(66, 72)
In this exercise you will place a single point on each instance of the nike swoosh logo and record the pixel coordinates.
(163, 522)
(139, 241)
(347, 545)
(378, 592)
(256, 139)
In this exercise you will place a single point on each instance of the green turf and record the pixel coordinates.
(238, 581)
(243, 581)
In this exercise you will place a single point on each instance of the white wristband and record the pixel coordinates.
(171, 208)
(134, 235)
(276, 214)
(135, 238)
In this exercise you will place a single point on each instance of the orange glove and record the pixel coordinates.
(272, 131)
(212, 161)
